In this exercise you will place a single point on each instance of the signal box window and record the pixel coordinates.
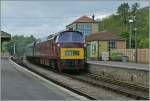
(112, 44)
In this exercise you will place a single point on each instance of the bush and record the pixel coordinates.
(116, 56)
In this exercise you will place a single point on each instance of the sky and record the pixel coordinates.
(42, 18)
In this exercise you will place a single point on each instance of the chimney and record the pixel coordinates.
(93, 16)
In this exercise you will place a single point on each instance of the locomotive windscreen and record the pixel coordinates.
(71, 37)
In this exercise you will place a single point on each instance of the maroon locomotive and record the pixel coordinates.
(63, 51)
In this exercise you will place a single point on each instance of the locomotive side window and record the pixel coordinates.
(71, 37)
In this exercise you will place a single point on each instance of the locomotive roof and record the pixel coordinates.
(50, 37)
(71, 31)
(53, 35)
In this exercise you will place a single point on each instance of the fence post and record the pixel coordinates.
(136, 55)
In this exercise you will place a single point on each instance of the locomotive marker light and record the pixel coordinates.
(58, 44)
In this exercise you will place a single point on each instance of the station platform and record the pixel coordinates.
(135, 73)
(18, 83)
(137, 66)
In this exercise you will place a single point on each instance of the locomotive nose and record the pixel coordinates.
(72, 51)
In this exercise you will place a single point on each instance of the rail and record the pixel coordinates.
(117, 86)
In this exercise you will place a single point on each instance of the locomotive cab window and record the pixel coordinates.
(71, 37)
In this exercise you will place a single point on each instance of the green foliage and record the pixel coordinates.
(125, 36)
(4, 49)
(144, 42)
(123, 11)
(116, 56)
(135, 7)
(117, 23)
(110, 22)
(20, 44)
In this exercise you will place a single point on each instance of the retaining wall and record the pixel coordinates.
(135, 76)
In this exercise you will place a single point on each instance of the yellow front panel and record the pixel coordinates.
(72, 53)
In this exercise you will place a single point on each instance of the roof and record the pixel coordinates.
(84, 19)
(5, 36)
(103, 36)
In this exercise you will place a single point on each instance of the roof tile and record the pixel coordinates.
(4, 34)
(84, 19)
(103, 36)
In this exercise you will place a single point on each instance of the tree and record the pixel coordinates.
(123, 11)
(125, 36)
(135, 19)
(114, 23)
(20, 43)
(33, 38)
(144, 42)
(134, 9)
(133, 13)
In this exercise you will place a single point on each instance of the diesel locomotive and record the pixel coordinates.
(63, 51)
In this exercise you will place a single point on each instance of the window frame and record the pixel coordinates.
(112, 44)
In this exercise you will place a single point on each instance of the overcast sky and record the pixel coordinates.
(41, 18)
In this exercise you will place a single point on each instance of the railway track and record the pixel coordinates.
(52, 80)
(133, 91)
(138, 95)
(118, 82)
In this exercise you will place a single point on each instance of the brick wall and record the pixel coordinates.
(95, 27)
(121, 44)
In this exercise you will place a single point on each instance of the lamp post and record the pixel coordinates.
(136, 51)
(14, 49)
(133, 20)
(130, 33)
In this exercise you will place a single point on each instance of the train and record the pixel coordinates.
(63, 51)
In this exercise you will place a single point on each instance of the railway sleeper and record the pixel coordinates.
(116, 89)
(118, 82)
